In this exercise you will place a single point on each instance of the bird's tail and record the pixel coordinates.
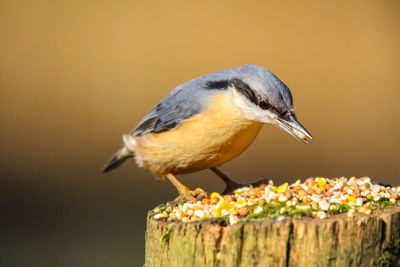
(118, 158)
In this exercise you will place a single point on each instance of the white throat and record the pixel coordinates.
(250, 110)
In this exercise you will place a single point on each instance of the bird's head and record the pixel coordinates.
(263, 97)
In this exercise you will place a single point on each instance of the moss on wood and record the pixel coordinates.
(362, 240)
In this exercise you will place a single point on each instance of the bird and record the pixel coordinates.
(208, 121)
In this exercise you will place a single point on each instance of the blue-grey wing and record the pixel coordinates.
(182, 103)
(168, 114)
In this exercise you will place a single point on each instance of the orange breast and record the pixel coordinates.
(208, 139)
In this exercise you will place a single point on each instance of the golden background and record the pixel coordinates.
(76, 75)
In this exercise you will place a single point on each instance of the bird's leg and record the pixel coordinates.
(184, 192)
(232, 185)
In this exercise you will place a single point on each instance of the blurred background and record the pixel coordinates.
(76, 75)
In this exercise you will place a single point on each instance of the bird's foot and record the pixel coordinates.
(184, 193)
(232, 186)
(187, 195)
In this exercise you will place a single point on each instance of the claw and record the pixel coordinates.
(183, 197)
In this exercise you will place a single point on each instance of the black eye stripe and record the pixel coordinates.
(223, 84)
(263, 104)
(245, 90)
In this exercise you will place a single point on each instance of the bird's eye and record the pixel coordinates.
(263, 104)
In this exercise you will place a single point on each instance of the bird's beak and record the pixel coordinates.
(291, 125)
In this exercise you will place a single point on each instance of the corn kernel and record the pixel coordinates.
(282, 188)
(351, 200)
(214, 194)
(241, 201)
(321, 182)
(221, 206)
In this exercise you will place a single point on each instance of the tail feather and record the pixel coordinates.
(117, 159)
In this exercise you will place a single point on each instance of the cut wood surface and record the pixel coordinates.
(339, 240)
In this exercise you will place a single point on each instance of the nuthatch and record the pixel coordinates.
(207, 121)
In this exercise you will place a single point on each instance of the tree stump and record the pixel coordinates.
(339, 240)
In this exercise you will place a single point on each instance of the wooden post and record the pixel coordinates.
(362, 240)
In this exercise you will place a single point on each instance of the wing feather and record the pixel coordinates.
(184, 102)
(176, 107)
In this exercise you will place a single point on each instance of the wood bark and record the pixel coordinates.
(362, 240)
